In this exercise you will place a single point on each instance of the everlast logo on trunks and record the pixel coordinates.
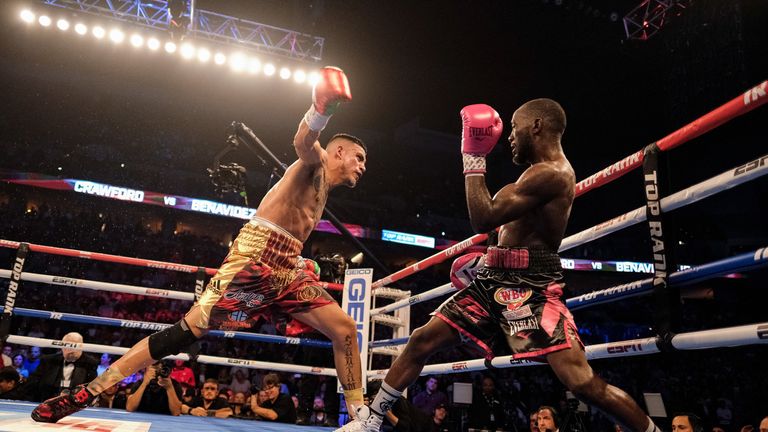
(517, 326)
(512, 297)
(13, 284)
(250, 299)
(476, 131)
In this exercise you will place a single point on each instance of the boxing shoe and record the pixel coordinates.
(365, 421)
(55, 409)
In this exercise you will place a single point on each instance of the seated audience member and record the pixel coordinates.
(764, 424)
(61, 372)
(208, 404)
(439, 423)
(547, 419)
(183, 374)
(33, 361)
(156, 393)
(18, 363)
(241, 406)
(686, 422)
(9, 384)
(272, 405)
(430, 398)
(111, 398)
(318, 416)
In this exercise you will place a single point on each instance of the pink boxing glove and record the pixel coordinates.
(481, 129)
(327, 95)
(464, 269)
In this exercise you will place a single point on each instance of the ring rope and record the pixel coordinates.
(101, 286)
(118, 259)
(221, 361)
(740, 105)
(144, 325)
(722, 182)
(705, 339)
(738, 263)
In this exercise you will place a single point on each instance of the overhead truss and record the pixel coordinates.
(208, 25)
(650, 16)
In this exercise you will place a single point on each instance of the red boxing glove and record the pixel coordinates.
(464, 269)
(328, 93)
(481, 129)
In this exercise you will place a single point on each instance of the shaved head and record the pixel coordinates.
(347, 137)
(549, 111)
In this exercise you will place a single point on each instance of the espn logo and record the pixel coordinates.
(620, 349)
(762, 331)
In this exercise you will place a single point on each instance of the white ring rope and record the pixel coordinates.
(100, 286)
(707, 188)
(724, 337)
(221, 361)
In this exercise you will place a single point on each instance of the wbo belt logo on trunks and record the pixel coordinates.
(512, 297)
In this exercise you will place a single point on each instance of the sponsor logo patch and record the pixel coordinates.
(512, 297)
(516, 314)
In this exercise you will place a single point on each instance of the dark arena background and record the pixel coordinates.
(117, 138)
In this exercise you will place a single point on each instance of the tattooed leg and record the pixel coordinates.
(342, 331)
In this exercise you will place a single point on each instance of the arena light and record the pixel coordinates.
(299, 76)
(314, 78)
(203, 55)
(99, 32)
(187, 51)
(62, 24)
(254, 65)
(137, 40)
(27, 16)
(219, 59)
(116, 35)
(238, 62)
(170, 47)
(81, 29)
(269, 69)
(285, 73)
(153, 44)
(44, 20)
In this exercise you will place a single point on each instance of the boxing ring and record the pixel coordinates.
(396, 313)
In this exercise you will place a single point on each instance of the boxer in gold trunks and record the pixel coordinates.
(263, 275)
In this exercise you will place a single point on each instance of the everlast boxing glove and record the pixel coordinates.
(481, 129)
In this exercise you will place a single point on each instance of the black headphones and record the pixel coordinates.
(555, 415)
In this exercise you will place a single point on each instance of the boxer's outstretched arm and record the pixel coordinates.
(307, 147)
(540, 183)
(331, 90)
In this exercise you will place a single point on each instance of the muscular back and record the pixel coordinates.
(297, 201)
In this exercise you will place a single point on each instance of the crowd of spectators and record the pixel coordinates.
(724, 391)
